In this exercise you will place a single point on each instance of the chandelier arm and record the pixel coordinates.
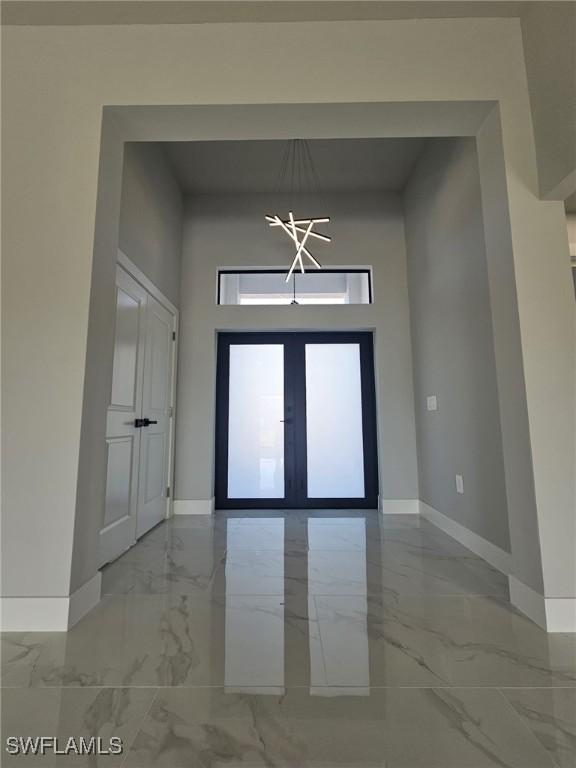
(293, 226)
(313, 259)
(287, 229)
(301, 230)
(296, 259)
(279, 223)
(302, 243)
(300, 222)
(305, 250)
(302, 249)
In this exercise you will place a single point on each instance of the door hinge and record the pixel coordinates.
(173, 335)
(168, 492)
(170, 411)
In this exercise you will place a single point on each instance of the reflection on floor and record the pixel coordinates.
(322, 639)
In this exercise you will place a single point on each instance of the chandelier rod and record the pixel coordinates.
(297, 172)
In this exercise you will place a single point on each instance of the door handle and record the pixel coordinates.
(150, 421)
(285, 421)
(139, 423)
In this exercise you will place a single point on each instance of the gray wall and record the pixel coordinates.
(139, 210)
(549, 38)
(229, 231)
(526, 564)
(452, 341)
(151, 216)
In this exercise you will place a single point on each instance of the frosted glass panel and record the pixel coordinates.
(334, 421)
(255, 428)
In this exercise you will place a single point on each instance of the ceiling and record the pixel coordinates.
(547, 32)
(56, 12)
(362, 165)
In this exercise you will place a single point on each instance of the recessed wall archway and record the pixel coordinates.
(249, 122)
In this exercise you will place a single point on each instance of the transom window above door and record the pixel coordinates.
(269, 287)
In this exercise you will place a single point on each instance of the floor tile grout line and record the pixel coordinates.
(317, 613)
(522, 722)
(402, 595)
(207, 686)
(138, 728)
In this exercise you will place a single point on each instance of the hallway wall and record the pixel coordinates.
(230, 231)
(151, 216)
(549, 40)
(452, 341)
(140, 212)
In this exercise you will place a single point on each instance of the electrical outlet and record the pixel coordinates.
(459, 484)
(432, 403)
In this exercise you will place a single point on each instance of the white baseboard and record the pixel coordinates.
(49, 614)
(497, 557)
(560, 614)
(194, 506)
(399, 506)
(34, 614)
(554, 614)
(84, 599)
(528, 601)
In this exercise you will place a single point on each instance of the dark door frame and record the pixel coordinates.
(295, 460)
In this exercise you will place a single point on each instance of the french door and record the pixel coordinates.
(295, 421)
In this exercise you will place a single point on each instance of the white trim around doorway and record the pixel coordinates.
(145, 282)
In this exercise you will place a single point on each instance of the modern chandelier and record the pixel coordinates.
(297, 172)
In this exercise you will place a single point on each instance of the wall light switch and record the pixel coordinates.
(432, 403)
(459, 484)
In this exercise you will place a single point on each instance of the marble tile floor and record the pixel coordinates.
(298, 639)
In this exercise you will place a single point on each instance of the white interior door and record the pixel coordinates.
(155, 435)
(122, 437)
